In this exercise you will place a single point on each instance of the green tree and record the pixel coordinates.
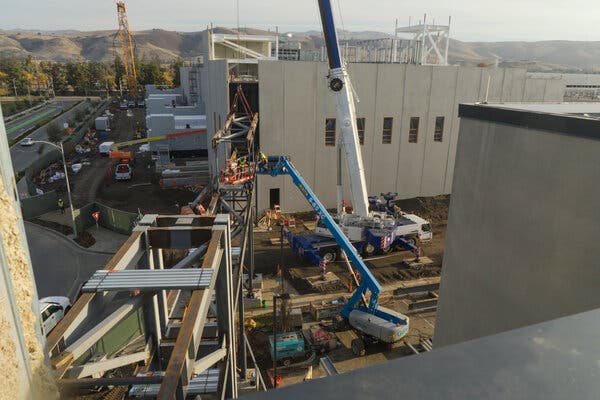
(119, 69)
(55, 132)
(175, 66)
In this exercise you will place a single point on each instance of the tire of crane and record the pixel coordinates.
(340, 323)
(358, 347)
(369, 250)
(329, 255)
(387, 250)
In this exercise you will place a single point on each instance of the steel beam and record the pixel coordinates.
(100, 367)
(178, 237)
(81, 345)
(177, 374)
(208, 361)
(87, 383)
(128, 254)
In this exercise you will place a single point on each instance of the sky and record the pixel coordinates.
(472, 20)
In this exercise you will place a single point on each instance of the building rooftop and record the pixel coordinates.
(551, 360)
(578, 119)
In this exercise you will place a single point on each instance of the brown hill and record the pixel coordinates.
(104, 45)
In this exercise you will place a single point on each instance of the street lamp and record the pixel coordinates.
(62, 153)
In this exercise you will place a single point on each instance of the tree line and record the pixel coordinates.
(25, 76)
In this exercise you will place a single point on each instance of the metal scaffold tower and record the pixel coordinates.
(428, 44)
(127, 49)
(188, 337)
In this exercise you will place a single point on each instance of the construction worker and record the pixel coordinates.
(61, 205)
(262, 161)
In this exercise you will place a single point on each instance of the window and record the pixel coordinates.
(360, 124)
(438, 134)
(413, 131)
(330, 132)
(386, 138)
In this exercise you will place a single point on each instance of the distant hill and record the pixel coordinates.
(556, 55)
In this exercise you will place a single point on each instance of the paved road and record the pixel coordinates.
(59, 265)
(23, 156)
(23, 124)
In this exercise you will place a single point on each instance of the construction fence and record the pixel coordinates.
(109, 218)
(33, 207)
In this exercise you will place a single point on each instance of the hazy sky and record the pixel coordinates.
(471, 20)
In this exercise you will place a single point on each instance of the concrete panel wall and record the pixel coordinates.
(295, 101)
(522, 232)
(213, 76)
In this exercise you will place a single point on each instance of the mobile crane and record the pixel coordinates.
(366, 316)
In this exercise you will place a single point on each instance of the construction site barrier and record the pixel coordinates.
(108, 217)
(35, 206)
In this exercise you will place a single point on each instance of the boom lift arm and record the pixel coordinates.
(283, 166)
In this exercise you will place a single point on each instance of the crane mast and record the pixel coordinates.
(127, 49)
(340, 85)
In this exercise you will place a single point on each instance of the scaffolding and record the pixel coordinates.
(428, 43)
(192, 339)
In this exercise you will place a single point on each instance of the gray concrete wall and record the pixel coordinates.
(522, 233)
(294, 103)
(213, 77)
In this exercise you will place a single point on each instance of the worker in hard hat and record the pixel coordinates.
(61, 205)
(262, 161)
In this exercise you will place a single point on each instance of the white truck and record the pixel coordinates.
(52, 310)
(123, 172)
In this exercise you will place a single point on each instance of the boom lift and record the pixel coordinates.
(116, 152)
(375, 322)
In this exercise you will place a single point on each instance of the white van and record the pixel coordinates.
(104, 148)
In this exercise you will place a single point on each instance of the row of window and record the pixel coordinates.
(386, 133)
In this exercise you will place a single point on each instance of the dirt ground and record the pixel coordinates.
(386, 268)
(142, 193)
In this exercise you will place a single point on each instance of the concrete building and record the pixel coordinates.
(522, 232)
(408, 115)
(578, 87)
(166, 113)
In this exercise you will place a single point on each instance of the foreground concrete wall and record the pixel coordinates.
(294, 103)
(522, 238)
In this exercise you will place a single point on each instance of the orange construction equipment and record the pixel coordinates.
(127, 49)
(120, 154)
(116, 153)
(237, 171)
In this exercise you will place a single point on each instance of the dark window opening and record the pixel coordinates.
(438, 134)
(413, 131)
(330, 132)
(386, 137)
(360, 124)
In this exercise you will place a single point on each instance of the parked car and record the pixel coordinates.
(123, 172)
(27, 142)
(123, 105)
(131, 104)
(52, 310)
(141, 103)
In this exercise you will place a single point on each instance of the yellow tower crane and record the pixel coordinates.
(127, 49)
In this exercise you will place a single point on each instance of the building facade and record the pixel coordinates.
(522, 231)
(407, 117)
